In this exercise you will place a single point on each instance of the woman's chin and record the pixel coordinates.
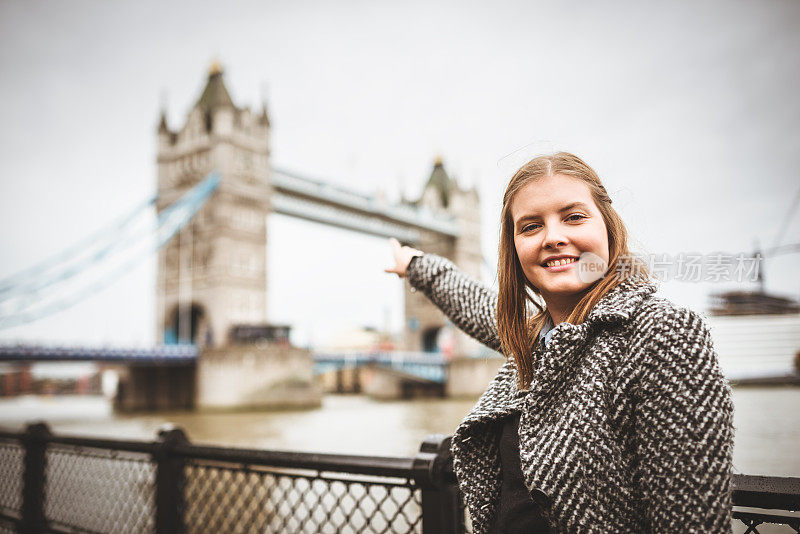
(567, 288)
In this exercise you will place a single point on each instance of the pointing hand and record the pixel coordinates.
(402, 257)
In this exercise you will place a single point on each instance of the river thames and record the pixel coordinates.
(767, 424)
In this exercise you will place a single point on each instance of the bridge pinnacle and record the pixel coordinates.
(215, 68)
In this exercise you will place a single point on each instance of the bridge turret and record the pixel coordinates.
(426, 326)
(165, 136)
(263, 119)
(213, 274)
(215, 104)
(439, 189)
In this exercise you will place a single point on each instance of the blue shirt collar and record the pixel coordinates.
(546, 332)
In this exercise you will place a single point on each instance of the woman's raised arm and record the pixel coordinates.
(468, 303)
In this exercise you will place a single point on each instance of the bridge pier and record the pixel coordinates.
(348, 380)
(340, 381)
(267, 376)
(385, 383)
(155, 388)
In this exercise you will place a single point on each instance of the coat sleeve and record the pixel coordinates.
(683, 417)
(468, 303)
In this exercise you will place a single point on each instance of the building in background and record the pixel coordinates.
(756, 336)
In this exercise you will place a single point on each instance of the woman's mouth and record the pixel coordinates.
(560, 265)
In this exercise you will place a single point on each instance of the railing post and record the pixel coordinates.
(433, 473)
(169, 482)
(33, 484)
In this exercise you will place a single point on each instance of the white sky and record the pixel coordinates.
(688, 111)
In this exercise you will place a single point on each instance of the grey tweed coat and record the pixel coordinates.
(627, 426)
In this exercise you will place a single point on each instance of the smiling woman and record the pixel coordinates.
(611, 413)
(551, 230)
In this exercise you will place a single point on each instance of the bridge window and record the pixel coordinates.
(246, 219)
(429, 339)
(184, 325)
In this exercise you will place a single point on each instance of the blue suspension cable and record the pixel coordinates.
(36, 277)
(169, 222)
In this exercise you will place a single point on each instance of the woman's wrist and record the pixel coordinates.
(411, 262)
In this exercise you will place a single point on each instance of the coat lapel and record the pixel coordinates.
(568, 341)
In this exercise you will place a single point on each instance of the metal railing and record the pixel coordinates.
(52, 483)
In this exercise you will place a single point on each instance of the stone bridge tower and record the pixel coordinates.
(426, 327)
(213, 273)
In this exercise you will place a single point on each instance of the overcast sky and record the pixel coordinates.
(689, 112)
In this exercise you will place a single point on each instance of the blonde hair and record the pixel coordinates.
(516, 329)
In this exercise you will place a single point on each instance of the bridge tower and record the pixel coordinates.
(213, 273)
(424, 322)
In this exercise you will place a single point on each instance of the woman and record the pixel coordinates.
(611, 413)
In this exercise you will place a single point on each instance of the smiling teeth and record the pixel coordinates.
(559, 262)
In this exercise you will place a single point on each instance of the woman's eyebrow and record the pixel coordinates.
(568, 207)
(574, 205)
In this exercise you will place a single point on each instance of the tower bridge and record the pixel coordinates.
(212, 274)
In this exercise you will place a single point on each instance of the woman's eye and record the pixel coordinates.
(529, 227)
(579, 217)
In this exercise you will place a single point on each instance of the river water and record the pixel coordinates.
(767, 424)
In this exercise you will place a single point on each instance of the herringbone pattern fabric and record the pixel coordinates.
(627, 426)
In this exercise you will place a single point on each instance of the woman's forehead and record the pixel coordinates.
(551, 194)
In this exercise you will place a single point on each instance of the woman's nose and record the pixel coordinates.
(554, 237)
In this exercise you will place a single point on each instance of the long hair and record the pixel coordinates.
(518, 326)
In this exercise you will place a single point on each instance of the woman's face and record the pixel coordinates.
(555, 216)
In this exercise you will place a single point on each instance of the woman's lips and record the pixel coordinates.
(559, 268)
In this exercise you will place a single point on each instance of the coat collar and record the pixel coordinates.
(503, 397)
(568, 340)
(620, 303)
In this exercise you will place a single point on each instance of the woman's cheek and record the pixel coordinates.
(526, 253)
(520, 248)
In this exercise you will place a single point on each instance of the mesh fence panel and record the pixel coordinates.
(236, 499)
(99, 490)
(12, 457)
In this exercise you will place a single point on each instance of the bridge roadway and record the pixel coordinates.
(314, 200)
(430, 366)
(163, 354)
(424, 365)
